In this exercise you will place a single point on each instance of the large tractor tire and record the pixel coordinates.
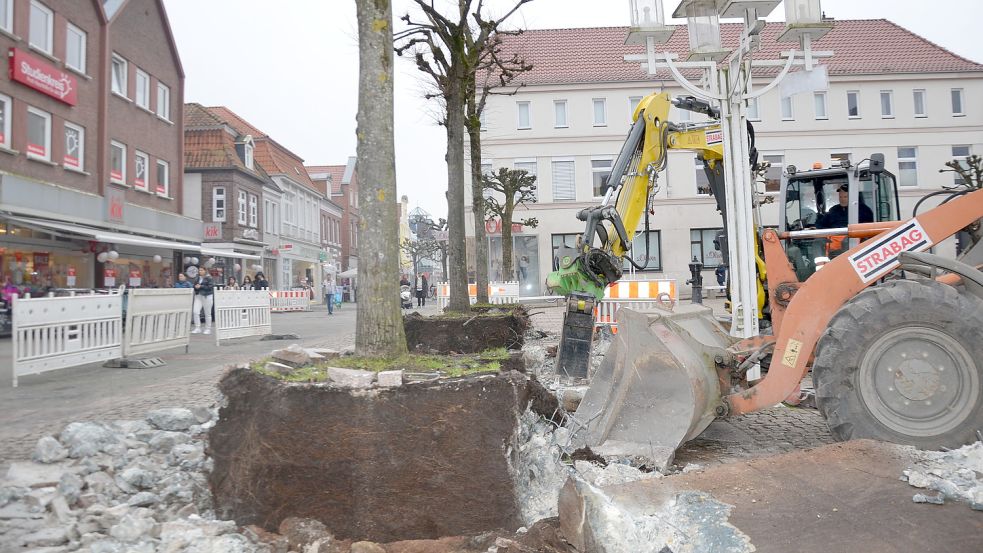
(903, 362)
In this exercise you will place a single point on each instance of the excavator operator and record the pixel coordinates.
(838, 216)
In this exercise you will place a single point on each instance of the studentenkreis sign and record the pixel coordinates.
(33, 72)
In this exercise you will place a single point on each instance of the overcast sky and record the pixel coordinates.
(290, 67)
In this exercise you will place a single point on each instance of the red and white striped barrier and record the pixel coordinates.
(284, 301)
(640, 295)
(498, 292)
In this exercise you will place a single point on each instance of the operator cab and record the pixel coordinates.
(833, 198)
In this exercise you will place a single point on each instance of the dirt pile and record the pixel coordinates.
(467, 333)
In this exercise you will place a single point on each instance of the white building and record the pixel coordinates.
(890, 91)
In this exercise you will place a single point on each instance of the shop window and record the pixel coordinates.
(38, 134)
(218, 204)
(163, 102)
(143, 89)
(75, 48)
(703, 247)
(525, 263)
(141, 166)
(42, 27)
(242, 208)
(253, 211)
(163, 178)
(5, 107)
(119, 75)
(74, 147)
(117, 162)
(646, 251)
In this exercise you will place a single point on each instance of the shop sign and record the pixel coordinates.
(40, 75)
(109, 277)
(70, 277)
(494, 226)
(286, 247)
(213, 231)
(136, 277)
(115, 203)
(40, 260)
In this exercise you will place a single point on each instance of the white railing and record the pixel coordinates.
(241, 313)
(498, 293)
(282, 301)
(157, 319)
(55, 333)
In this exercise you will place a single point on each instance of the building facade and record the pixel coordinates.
(342, 181)
(890, 91)
(332, 214)
(91, 146)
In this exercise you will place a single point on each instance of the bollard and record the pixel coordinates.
(695, 269)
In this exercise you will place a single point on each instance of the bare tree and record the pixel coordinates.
(517, 188)
(379, 322)
(970, 171)
(418, 250)
(449, 48)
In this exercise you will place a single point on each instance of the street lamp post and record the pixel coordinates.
(727, 84)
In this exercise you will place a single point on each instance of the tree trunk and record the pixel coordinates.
(507, 242)
(456, 243)
(379, 322)
(478, 204)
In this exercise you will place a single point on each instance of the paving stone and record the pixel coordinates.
(390, 379)
(350, 378)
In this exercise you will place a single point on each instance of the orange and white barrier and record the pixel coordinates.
(640, 295)
(283, 301)
(498, 293)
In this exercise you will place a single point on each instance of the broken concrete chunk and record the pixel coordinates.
(918, 479)
(49, 450)
(87, 438)
(571, 398)
(391, 379)
(326, 353)
(294, 355)
(301, 532)
(351, 378)
(33, 475)
(279, 368)
(46, 537)
(367, 547)
(174, 418)
(937, 499)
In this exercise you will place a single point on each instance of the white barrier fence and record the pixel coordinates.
(283, 301)
(157, 319)
(498, 293)
(55, 333)
(240, 313)
(640, 295)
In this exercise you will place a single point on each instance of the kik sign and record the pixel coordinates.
(213, 231)
(40, 75)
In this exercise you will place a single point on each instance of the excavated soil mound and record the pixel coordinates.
(469, 333)
(420, 461)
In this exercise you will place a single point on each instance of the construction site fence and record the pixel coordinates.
(284, 301)
(157, 319)
(498, 293)
(241, 313)
(640, 295)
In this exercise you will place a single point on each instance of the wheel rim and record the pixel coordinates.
(919, 381)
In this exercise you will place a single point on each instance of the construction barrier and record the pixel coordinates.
(157, 319)
(56, 333)
(283, 301)
(240, 313)
(498, 293)
(640, 295)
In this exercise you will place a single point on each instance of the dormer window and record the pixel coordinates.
(247, 151)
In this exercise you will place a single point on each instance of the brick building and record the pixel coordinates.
(91, 145)
(332, 215)
(344, 193)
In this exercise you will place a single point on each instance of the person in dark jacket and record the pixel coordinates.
(182, 281)
(204, 299)
(260, 283)
(422, 287)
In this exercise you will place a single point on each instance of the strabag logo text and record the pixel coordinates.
(881, 257)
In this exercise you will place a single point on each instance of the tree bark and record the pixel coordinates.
(379, 323)
(456, 245)
(478, 203)
(507, 242)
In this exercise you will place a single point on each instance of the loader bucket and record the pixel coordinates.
(657, 386)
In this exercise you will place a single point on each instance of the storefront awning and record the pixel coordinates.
(102, 235)
(227, 253)
(350, 273)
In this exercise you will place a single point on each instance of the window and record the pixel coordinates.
(524, 119)
(887, 104)
(960, 153)
(7, 15)
(752, 110)
(853, 104)
(562, 241)
(836, 159)
(247, 149)
(703, 246)
(633, 102)
(919, 99)
(564, 184)
(702, 180)
(819, 101)
(38, 134)
(600, 173)
(787, 113)
(560, 113)
(253, 211)
(163, 102)
(75, 48)
(600, 112)
(5, 107)
(119, 75)
(527, 165)
(218, 204)
(773, 176)
(957, 102)
(117, 162)
(74, 147)
(646, 251)
(242, 208)
(908, 166)
(483, 120)
(141, 164)
(143, 89)
(42, 27)
(163, 178)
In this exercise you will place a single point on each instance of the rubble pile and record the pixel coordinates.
(955, 475)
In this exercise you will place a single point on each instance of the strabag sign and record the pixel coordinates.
(878, 258)
(714, 137)
(40, 75)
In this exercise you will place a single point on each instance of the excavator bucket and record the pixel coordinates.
(657, 386)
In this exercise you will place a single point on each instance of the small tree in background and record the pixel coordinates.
(418, 250)
(517, 187)
(970, 173)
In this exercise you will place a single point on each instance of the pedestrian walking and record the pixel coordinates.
(204, 299)
(328, 289)
(721, 274)
(421, 290)
(260, 283)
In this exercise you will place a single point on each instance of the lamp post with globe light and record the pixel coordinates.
(726, 83)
